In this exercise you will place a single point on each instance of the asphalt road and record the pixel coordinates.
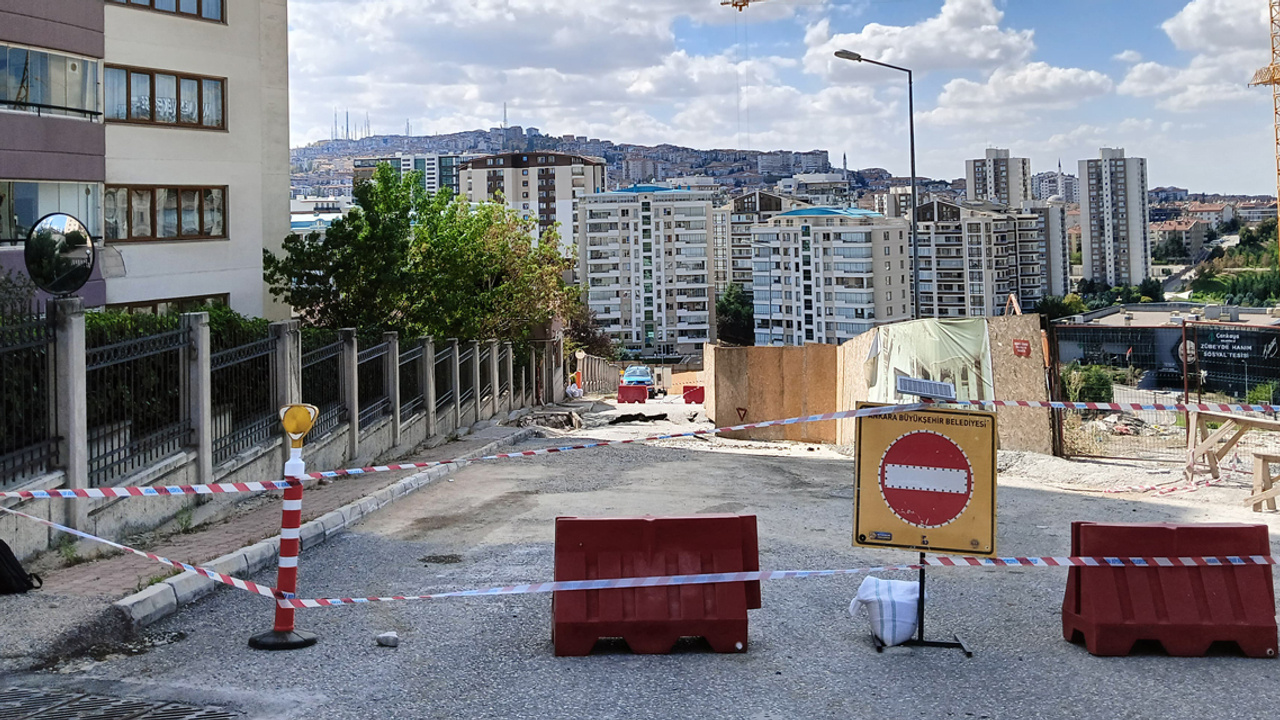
(492, 658)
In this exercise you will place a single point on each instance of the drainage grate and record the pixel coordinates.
(26, 703)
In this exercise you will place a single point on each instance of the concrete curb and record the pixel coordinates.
(163, 599)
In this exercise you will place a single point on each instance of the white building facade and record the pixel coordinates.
(1115, 241)
(644, 259)
(731, 236)
(827, 275)
(999, 179)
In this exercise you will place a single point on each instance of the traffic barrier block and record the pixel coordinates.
(653, 619)
(694, 394)
(633, 393)
(1185, 609)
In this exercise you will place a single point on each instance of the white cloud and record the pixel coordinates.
(1011, 95)
(1128, 56)
(965, 34)
(1230, 40)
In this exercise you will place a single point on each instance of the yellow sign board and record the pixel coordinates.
(926, 480)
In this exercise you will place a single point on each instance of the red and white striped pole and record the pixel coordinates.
(297, 420)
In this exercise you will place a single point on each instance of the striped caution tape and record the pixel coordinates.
(212, 575)
(1129, 407)
(152, 490)
(751, 576)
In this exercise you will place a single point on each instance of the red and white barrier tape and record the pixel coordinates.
(1128, 407)
(152, 490)
(212, 575)
(751, 576)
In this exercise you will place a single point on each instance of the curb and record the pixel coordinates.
(163, 599)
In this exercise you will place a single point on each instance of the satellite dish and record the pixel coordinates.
(59, 254)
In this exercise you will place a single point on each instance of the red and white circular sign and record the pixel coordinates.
(926, 479)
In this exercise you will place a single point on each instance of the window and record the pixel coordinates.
(139, 95)
(46, 82)
(202, 9)
(23, 203)
(168, 213)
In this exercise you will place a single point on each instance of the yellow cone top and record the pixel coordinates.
(298, 420)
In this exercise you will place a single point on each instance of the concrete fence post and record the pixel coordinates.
(70, 403)
(495, 396)
(511, 378)
(427, 379)
(533, 376)
(286, 366)
(455, 381)
(475, 381)
(349, 369)
(200, 392)
(391, 381)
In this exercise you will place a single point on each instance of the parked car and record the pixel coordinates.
(640, 375)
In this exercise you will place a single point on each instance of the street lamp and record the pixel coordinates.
(911, 126)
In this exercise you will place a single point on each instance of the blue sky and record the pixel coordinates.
(1164, 79)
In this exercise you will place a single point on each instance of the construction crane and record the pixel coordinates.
(1270, 75)
(740, 4)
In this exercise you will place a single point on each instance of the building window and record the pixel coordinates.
(137, 95)
(48, 83)
(23, 203)
(168, 213)
(171, 305)
(213, 10)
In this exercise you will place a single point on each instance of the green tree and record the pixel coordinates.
(1170, 249)
(582, 332)
(735, 317)
(1057, 307)
(354, 275)
(1263, 393)
(1152, 288)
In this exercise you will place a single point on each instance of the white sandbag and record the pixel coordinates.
(891, 606)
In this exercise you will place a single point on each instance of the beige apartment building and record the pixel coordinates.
(732, 234)
(998, 178)
(643, 261)
(1114, 241)
(827, 275)
(540, 186)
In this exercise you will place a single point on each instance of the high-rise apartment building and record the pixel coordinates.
(643, 258)
(1115, 241)
(1046, 185)
(438, 170)
(826, 275)
(999, 179)
(541, 186)
(974, 256)
(731, 236)
(164, 127)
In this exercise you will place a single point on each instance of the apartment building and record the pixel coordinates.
(1190, 232)
(731, 236)
(1115, 242)
(438, 170)
(541, 186)
(1046, 185)
(973, 256)
(826, 275)
(999, 179)
(162, 125)
(643, 257)
(52, 140)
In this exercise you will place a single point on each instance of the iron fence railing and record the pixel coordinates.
(486, 377)
(243, 390)
(28, 444)
(371, 377)
(135, 403)
(444, 379)
(322, 387)
(412, 400)
(466, 378)
(504, 371)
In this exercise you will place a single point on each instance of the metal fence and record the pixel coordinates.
(466, 384)
(28, 445)
(322, 386)
(372, 380)
(444, 379)
(412, 398)
(486, 379)
(243, 390)
(504, 372)
(134, 398)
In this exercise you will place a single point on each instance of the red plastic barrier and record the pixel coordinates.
(694, 394)
(1186, 609)
(633, 393)
(651, 620)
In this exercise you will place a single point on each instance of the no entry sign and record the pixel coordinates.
(926, 481)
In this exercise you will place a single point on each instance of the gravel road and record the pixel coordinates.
(492, 658)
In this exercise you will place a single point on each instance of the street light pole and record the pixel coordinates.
(915, 200)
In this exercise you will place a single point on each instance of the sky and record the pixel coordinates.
(1053, 81)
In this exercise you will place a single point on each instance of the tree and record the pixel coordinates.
(1171, 248)
(582, 332)
(1152, 288)
(1056, 307)
(354, 275)
(735, 317)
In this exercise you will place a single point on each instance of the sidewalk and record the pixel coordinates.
(73, 609)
